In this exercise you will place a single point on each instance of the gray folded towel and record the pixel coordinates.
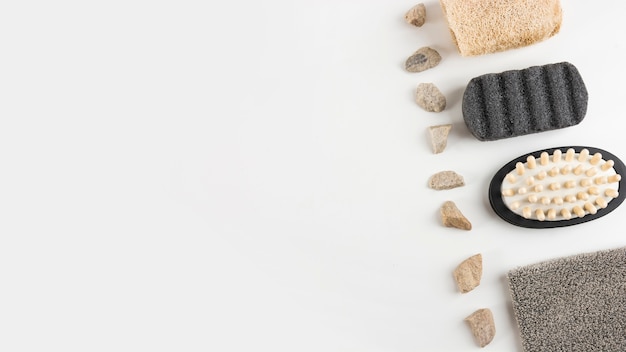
(576, 303)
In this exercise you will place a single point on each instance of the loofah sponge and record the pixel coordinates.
(519, 102)
(487, 26)
(575, 304)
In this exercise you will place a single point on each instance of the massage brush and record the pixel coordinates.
(558, 187)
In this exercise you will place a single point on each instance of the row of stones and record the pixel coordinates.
(428, 96)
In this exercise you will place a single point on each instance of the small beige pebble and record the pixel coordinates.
(416, 15)
(439, 137)
(451, 216)
(445, 180)
(423, 59)
(482, 326)
(430, 98)
(467, 275)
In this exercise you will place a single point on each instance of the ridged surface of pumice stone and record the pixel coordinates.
(558, 187)
(520, 102)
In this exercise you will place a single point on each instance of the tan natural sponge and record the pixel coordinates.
(487, 26)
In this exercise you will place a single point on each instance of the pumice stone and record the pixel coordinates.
(558, 187)
(519, 102)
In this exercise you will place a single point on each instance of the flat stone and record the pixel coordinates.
(482, 326)
(416, 15)
(467, 275)
(451, 216)
(430, 98)
(445, 180)
(423, 59)
(439, 137)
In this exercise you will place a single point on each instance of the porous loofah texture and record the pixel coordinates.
(519, 102)
(487, 26)
(575, 304)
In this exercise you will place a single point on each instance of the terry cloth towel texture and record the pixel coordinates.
(572, 304)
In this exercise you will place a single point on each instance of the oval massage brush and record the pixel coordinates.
(558, 187)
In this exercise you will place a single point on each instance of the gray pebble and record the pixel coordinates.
(482, 326)
(468, 274)
(446, 180)
(451, 216)
(439, 137)
(430, 98)
(416, 16)
(423, 59)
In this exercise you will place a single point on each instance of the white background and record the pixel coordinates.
(251, 175)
